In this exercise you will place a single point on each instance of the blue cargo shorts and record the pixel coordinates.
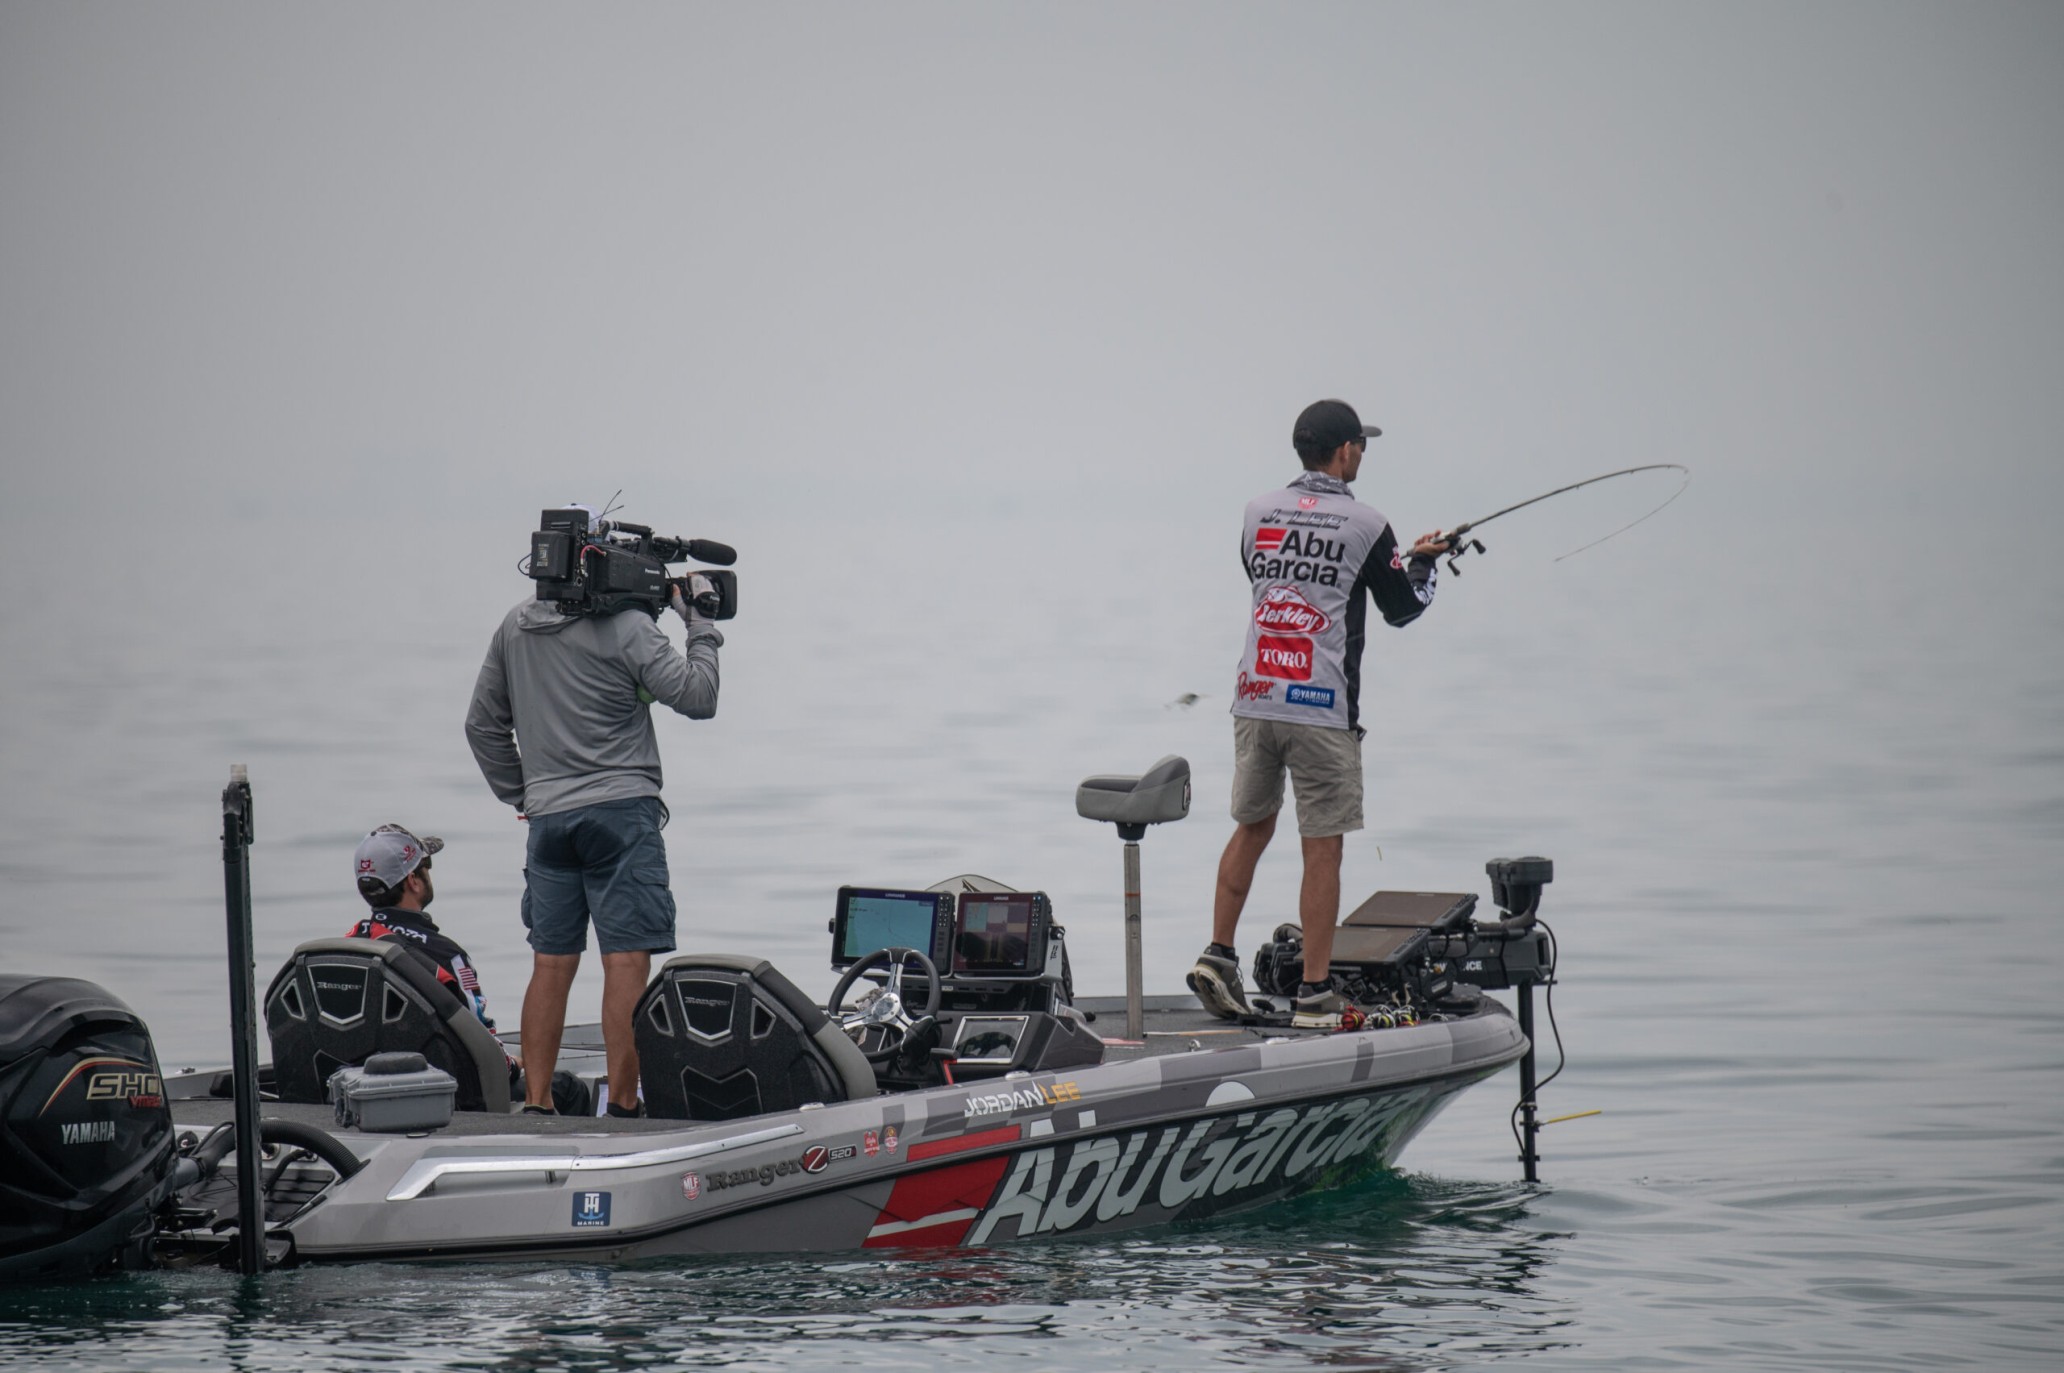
(606, 861)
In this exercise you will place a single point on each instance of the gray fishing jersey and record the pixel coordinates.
(1310, 550)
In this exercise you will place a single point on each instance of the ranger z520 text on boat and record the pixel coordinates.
(965, 1097)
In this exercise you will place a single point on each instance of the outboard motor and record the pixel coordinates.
(86, 1139)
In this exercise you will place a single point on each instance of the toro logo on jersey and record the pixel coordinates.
(1287, 659)
(1284, 608)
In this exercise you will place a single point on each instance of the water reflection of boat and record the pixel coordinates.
(965, 1098)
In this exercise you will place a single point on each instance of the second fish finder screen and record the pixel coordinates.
(995, 934)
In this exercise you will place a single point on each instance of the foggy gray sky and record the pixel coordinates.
(306, 311)
(269, 254)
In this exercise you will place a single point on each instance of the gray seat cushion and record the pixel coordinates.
(1155, 797)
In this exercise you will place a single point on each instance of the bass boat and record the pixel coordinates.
(950, 1091)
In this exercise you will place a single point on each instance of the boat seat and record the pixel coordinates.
(1155, 797)
(721, 1036)
(337, 1002)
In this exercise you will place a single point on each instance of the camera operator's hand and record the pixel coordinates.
(702, 592)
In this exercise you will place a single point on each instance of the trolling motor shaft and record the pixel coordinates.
(1517, 952)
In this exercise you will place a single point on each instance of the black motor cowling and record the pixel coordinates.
(86, 1138)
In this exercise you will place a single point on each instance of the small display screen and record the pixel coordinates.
(989, 1039)
(995, 934)
(885, 920)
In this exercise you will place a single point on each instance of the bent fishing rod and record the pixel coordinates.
(1458, 541)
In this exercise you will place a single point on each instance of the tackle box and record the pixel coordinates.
(393, 1092)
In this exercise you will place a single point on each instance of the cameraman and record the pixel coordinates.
(575, 690)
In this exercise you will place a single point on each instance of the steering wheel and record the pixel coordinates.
(885, 1018)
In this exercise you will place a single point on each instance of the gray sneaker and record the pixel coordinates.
(1216, 981)
(1319, 1011)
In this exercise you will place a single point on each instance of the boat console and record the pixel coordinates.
(998, 991)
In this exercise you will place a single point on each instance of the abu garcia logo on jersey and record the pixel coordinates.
(1296, 555)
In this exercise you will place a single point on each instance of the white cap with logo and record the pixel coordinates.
(390, 853)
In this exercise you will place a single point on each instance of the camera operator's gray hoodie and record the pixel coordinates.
(575, 690)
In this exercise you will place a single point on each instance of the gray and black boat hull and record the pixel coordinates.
(1206, 1120)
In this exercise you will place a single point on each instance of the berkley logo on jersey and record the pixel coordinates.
(1289, 659)
(1285, 608)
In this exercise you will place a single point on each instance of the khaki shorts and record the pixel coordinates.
(1325, 767)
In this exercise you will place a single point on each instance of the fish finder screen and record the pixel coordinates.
(886, 921)
(995, 934)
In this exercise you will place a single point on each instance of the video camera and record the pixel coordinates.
(594, 566)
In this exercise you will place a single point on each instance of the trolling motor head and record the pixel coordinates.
(1516, 889)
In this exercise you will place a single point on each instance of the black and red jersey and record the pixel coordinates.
(417, 930)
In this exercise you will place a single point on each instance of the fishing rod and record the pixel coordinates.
(1458, 542)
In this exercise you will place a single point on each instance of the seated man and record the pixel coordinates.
(393, 868)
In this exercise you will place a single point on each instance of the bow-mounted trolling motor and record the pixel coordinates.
(1403, 957)
(1517, 951)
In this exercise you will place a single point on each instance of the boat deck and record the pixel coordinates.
(1171, 1025)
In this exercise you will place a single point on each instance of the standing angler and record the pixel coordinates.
(1310, 550)
(575, 691)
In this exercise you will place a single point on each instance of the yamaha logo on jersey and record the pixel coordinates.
(1296, 555)
(1285, 658)
(1285, 608)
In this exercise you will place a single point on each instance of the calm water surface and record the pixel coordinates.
(1805, 891)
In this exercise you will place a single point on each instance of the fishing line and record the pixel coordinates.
(1459, 544)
